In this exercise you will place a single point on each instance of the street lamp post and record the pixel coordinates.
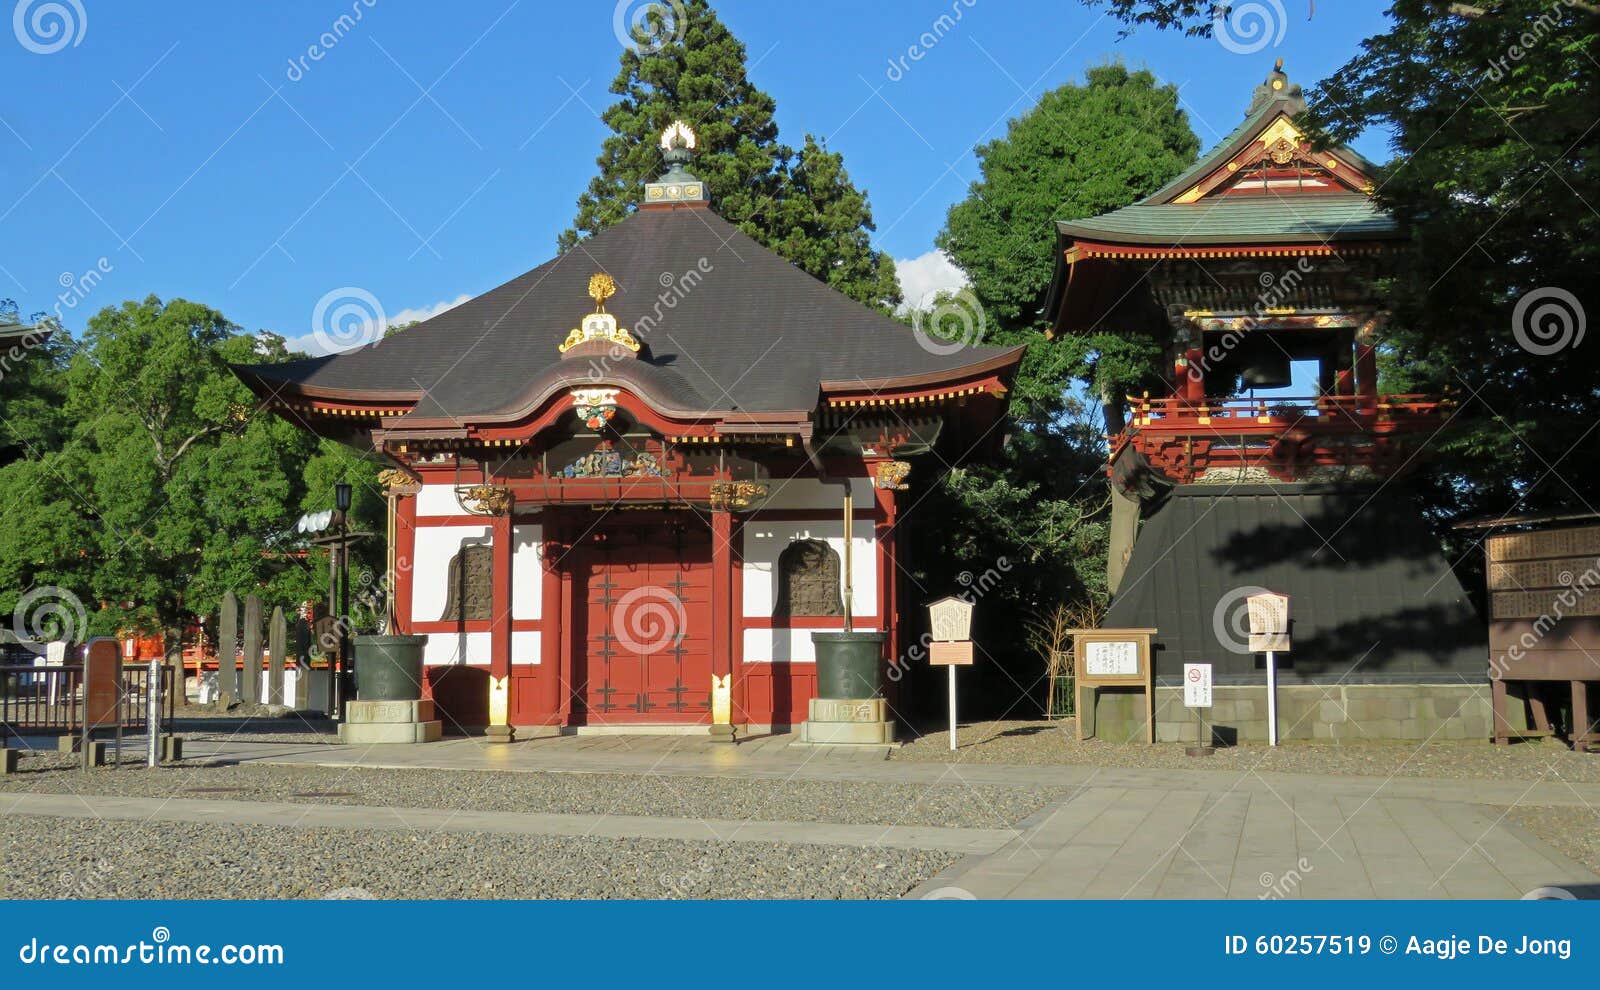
(341, 501)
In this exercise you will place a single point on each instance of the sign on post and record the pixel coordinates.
(1112, 658)
(1269, 634)
(1197, 695)
(950, 625)
(1197, 685)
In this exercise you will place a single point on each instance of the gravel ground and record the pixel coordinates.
(1574, 832)
(840, 802)
(1041, 743)
(167, 860)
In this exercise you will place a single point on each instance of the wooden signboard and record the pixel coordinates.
(102, 682)
(1544, 626)
(1112, 658)
(950, 654)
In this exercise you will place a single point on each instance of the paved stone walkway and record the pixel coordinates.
(1121, 833)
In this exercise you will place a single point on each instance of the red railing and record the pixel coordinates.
(1354, 411)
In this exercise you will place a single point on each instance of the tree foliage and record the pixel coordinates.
(1082, 150)
(688, 66)
(169, 485)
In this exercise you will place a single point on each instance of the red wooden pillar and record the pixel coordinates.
(504, 544)
(888, 584)
(722, 596)
(405, 555)
(551, 612)
(741, 697)
(564, 620)
(1367, 375)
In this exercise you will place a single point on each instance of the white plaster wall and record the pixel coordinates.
(809, 493)
(456, 648)
(439, 500)
(765, 539)
(430, 575)
(767, 645)
(527, 574)
(525, 647)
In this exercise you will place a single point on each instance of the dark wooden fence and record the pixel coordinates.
(49, 700)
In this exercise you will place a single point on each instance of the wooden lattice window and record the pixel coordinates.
(808, 580)
(471, 577)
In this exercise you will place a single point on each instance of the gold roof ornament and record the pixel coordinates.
(601, 288)
(677, 135)
(677, 184)
(600, 325)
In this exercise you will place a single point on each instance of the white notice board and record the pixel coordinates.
(1112, 659)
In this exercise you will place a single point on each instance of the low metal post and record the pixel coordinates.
(1272, 698)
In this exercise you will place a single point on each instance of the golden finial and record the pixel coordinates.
(677, 135)
(601, 288)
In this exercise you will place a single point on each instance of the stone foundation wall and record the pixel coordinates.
(1305, 711)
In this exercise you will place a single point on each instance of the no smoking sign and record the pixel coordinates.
(1197, 685)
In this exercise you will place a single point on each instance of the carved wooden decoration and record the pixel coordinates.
(471, 576)
(808, 580)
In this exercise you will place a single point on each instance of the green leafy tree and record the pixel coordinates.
(171, 486)
(32, 386)
(1082, 150)
(688, 66)
(822, 223)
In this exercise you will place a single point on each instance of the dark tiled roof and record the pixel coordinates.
(1224, 220)
(1376, 602)
(726, 325)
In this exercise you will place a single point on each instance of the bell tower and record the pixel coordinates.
(1264, 454)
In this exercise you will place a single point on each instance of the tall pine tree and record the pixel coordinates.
(688, 66)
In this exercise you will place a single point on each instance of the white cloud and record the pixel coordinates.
(923, 277)
(353, 335)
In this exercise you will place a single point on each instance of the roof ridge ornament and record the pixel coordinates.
(1277, 87)
(677, 185)
(600, 325)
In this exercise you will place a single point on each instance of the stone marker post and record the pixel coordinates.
(302, 659)
(252, 650)
(278, 645)
(228, 651)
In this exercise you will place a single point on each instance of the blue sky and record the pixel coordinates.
(188, 148)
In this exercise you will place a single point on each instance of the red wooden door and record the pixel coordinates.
(643, 622)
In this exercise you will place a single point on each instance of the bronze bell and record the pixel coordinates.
(1266, 367)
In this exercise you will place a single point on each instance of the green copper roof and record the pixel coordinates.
(1225, 220)
(1219, 220)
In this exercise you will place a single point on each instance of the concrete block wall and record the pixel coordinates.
(1330, 712)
